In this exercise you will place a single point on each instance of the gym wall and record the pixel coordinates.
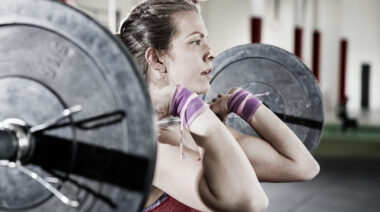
(357, 21)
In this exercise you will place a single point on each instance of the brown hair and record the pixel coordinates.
(150, 24)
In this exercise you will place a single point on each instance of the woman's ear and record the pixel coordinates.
(153, 59)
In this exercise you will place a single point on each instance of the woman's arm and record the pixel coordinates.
(278, 155)
(228, 176)
(223, 180)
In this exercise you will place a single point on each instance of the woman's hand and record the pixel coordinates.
(219, 105)
(161, 100)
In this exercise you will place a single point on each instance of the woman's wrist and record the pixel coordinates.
(243, 103)
(187, 105)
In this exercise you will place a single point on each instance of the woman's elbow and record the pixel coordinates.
(257, 203)
(314, 171)
(308, 171)
(260, 204)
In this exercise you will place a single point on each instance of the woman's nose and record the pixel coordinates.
(210, 55)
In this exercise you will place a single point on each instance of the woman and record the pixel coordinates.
(221, 168)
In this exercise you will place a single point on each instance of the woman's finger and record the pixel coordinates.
(232, 90)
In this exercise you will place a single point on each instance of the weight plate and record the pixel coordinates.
(294, 97)
(53, 57)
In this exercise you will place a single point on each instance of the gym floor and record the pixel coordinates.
(349, 180)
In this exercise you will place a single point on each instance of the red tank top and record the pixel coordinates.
(169, 204)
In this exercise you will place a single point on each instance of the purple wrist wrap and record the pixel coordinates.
(243, 104)
(187, 105)
(179, 99)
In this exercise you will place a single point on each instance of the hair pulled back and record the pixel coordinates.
(150, 24)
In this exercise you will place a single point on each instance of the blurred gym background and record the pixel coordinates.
(339, 40)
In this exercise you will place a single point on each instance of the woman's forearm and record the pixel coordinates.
(276, 132)
(229, 181)
(265, 123)
(283, 139)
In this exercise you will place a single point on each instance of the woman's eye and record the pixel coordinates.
(196, 42)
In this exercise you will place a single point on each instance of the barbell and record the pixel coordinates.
(76, 121)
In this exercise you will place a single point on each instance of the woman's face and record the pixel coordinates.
(188, 61)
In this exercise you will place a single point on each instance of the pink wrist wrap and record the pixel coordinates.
(244, 103)
(187, 105)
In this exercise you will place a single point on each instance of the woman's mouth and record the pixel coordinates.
(206, 73)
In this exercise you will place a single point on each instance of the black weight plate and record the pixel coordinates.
(294, 92)
(53, 57)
